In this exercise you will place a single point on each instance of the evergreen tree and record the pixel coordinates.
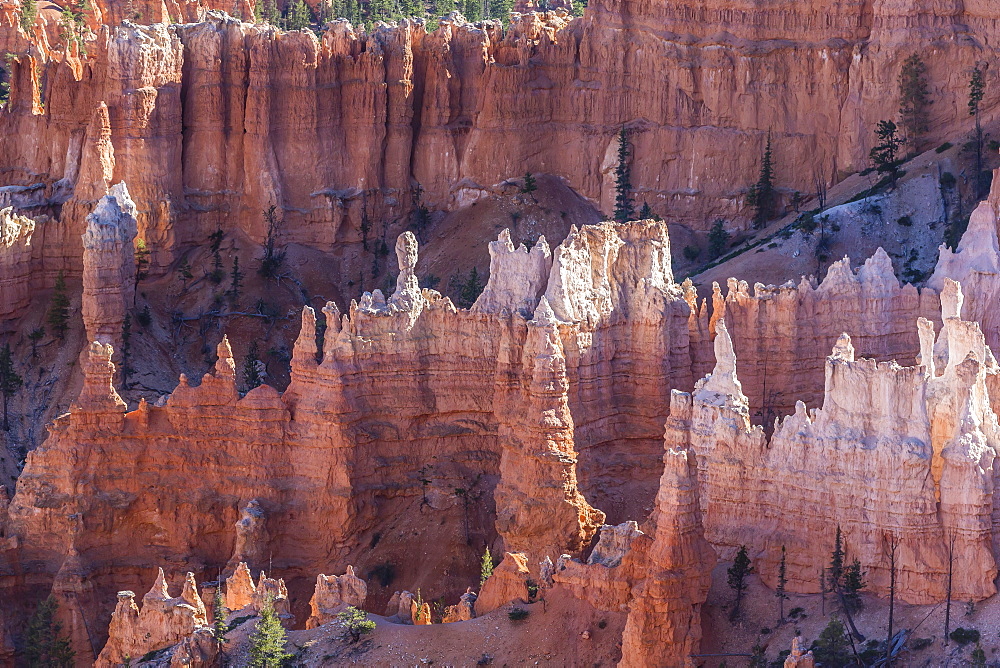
(837, 562)
(141, 260)
(267, 642)
(58, 317)
(184, 272)
(472, 10)
(44, 643)
(216, 244)
(718, 239)
(252, 376)
(236, 279)
(126, 349)
(269, 12)
(624, 208)
(832, 647)
(779, 591)
(486, 567)
(355, 623)
(762, 196)
(913, 100)
(219, 613)
(29, 12)
(500, 9)
(297, 16)
(443, 7)
(853, 584)
(35, 336)
(471, 289)
(529, 183)
(977, 90)
(737, 576)
(884, 155)
(10, 381)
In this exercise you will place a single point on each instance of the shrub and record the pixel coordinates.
(918, 644)
(794, 613)
(948, 180)
(518, 614)
(691, 253)
(964, 636)
(905, 221)
(45, 644)
(944, 147)
(355, 623)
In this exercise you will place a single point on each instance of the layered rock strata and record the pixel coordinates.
(109, 266)
(876, 458)
(468, 388)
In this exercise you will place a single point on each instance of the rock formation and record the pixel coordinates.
(162, 622)
(872, 445)
(334, 593)
(15, 264)
(109, 266)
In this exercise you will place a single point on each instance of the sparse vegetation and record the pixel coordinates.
(529, 185)
(44, 643)
(718, 239)
(913, 101)
(762, 195)
(943, 147)
(779, 591)
(267, 642)
(355, 623)
(35, 335)
(977, 90)
(737, 576)
(470, 290)
(29, 12)
(219, 614)
(253, 368)
(624, 208)
(964, 636)
(485, 567)
(141, 260)
(854, 583)
(832, 648)
(884, 155)
(10, 381)
(58, 316)
(691, 253)
(274, 259)
(518, 614)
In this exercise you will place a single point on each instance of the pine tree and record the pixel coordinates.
(884, 155)
(500, 9)
(837, 562)
(762, 196)
(486, 567)
(58, 317)
(126, 348)
(779, 591)
(252, 376)
(853, 584)
(297, 16)
(35, 336)
(184, 272)
(913, 100)
(471, 289)
(219, 613)
(737, 576)
(44, 643)
(718, 239)
(141, 260)
(29, 12)
(473, 10)
(10, 381)
(624, 208)
(443, 7)
(977, 90)
(355, 623)
(236, 279)
(529, 183)
(832, 648)
(267, 642)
